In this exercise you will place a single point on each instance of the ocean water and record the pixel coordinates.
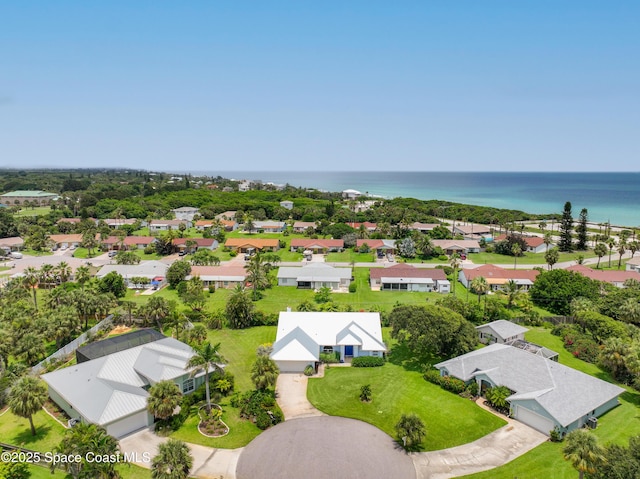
(613, 197)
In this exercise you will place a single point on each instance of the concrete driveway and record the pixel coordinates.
(488, 452)
(208, 462)
(291, 390)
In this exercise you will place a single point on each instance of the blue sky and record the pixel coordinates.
(334, 85)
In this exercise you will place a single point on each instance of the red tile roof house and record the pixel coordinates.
(243, 244)
(405, 277)
(229, 225)
(369, 226)
(379, 246)
(200, 243)
(219, 276)
(616, 278)
(497, 277)
(128, 243)
(301, 226)
(535, 244)
(317, 246)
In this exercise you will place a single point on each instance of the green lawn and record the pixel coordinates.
(241, 431)
(545, 461)
(450, 420)
(15, 430)
(349, 256)
(238, 347)
(32, 252)
(38, 211)
(83, 253)
(528, 258)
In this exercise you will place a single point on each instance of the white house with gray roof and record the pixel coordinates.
(155, 271)
(545, 395)
(111, 391)
(302, 336)
(314, 276)
(500, 331)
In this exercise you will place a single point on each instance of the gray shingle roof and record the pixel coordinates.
(315, 272)
(566, 394)
(503, 329)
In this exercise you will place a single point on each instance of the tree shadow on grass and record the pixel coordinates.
(24, 437)
(401, 355)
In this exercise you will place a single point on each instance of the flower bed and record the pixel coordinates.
(211, 424)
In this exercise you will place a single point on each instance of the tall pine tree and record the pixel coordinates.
(581, 230)
(566, 227)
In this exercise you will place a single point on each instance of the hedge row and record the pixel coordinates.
(367, 362)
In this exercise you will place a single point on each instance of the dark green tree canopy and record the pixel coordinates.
(553, 290)
(432, 329)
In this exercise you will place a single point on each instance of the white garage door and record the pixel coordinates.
(127, 425)
(292, 366)
(534, 420)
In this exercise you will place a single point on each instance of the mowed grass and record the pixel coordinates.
(527, 258)
(238, 347)
(241, 431)
(545, 461)
(16, 431)
(449, 419)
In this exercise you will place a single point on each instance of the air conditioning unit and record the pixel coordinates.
(592, 422)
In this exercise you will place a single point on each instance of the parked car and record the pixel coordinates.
(16, 255)
(182, 253)
(112, 254)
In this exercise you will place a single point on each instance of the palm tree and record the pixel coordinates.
(516, 250)
(173, 461)
(26, 398)
(157, 309)
(479, 286)
(248, 223)
(582, 451)
(46, 275)
(164, 397)
(205, 357)
(257, 270)
(239, 308)
(63, 272)
(454, 262)
(633, 246)
(613, 356)
(600, 250)
(410, 430)
(622, 249)
(548, 239)
(629, 311)
(83, 275)
(497, 397)
(552, 257)
(611, 243)
(511, 289)
(31, 280)
(82, 439)
(264, 373)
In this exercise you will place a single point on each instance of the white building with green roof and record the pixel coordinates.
(20, 197)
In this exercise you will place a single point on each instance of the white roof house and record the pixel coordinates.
(111, 391)
(500, 331)
(302, 336)
(314, 276)
(146, 269)
(185, 212)
(546, 395)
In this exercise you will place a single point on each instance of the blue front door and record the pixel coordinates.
(348, 350)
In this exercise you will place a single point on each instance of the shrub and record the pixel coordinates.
(212, 288)
(233, 254)
(352, 287)
(329, 358)
(309, 370)
(443, 257)
(258, 406)
(472, 389)
(367, 362)
(365, 393)
(555, 435)
(452, 384)
(433, 377)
